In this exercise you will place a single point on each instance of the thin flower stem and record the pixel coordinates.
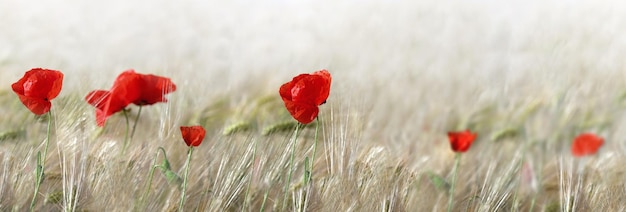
(457, 160)
(293, 155)
(182, 194)
(150, 177)
(41, 166)
(317, 128)
(126, 137)
(132, 133)
(45, 150)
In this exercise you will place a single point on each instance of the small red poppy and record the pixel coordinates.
(129, 87)
(193, 135)
(304, 93)
(37, 87)
(461, 141)
(586, 144)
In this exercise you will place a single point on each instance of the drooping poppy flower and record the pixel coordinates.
(37, 87)
(461, 141)
(153, 88)
(125, 90)
(129, 87)
(193, 135)
(106, 104)
(142, 89)
(586, 144)
(304, 93)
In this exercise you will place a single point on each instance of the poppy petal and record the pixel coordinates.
(36, 105)
(98, 98)
(304, 93)
(285, 91)
(192, 135)
(153, 89)
(101, 117)
(37, 87)
(313, 89)
(461, 141)
(105, 103)
(325, 81)
(586, 144)
(41, 83)
(127, 87)
(303, 113)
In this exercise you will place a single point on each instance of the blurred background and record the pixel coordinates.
(225, 42)
(411, 57)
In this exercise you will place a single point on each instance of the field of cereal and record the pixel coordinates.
(526, 76)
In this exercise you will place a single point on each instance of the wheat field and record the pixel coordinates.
(527, 76)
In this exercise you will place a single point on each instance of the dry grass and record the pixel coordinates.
(527, 77)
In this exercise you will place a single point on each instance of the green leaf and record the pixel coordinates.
(307, 171)
(39, 169)
(166, 169)
(172, 178)
(439, 182)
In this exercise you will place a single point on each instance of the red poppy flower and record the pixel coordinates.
(461, 141)
(153, 88)
(193, 135)
(304, 93)
(129, 87)
(37, 87)
(106, 104)
(586, 144)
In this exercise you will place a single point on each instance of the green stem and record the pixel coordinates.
(317, 128)
(457, 160)
(135, 124)
(39, 175)
(293, 155)
(182, 194)
(264, 200)
(150, 176)
(41, 162)
(45, 150)
(126, 137)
